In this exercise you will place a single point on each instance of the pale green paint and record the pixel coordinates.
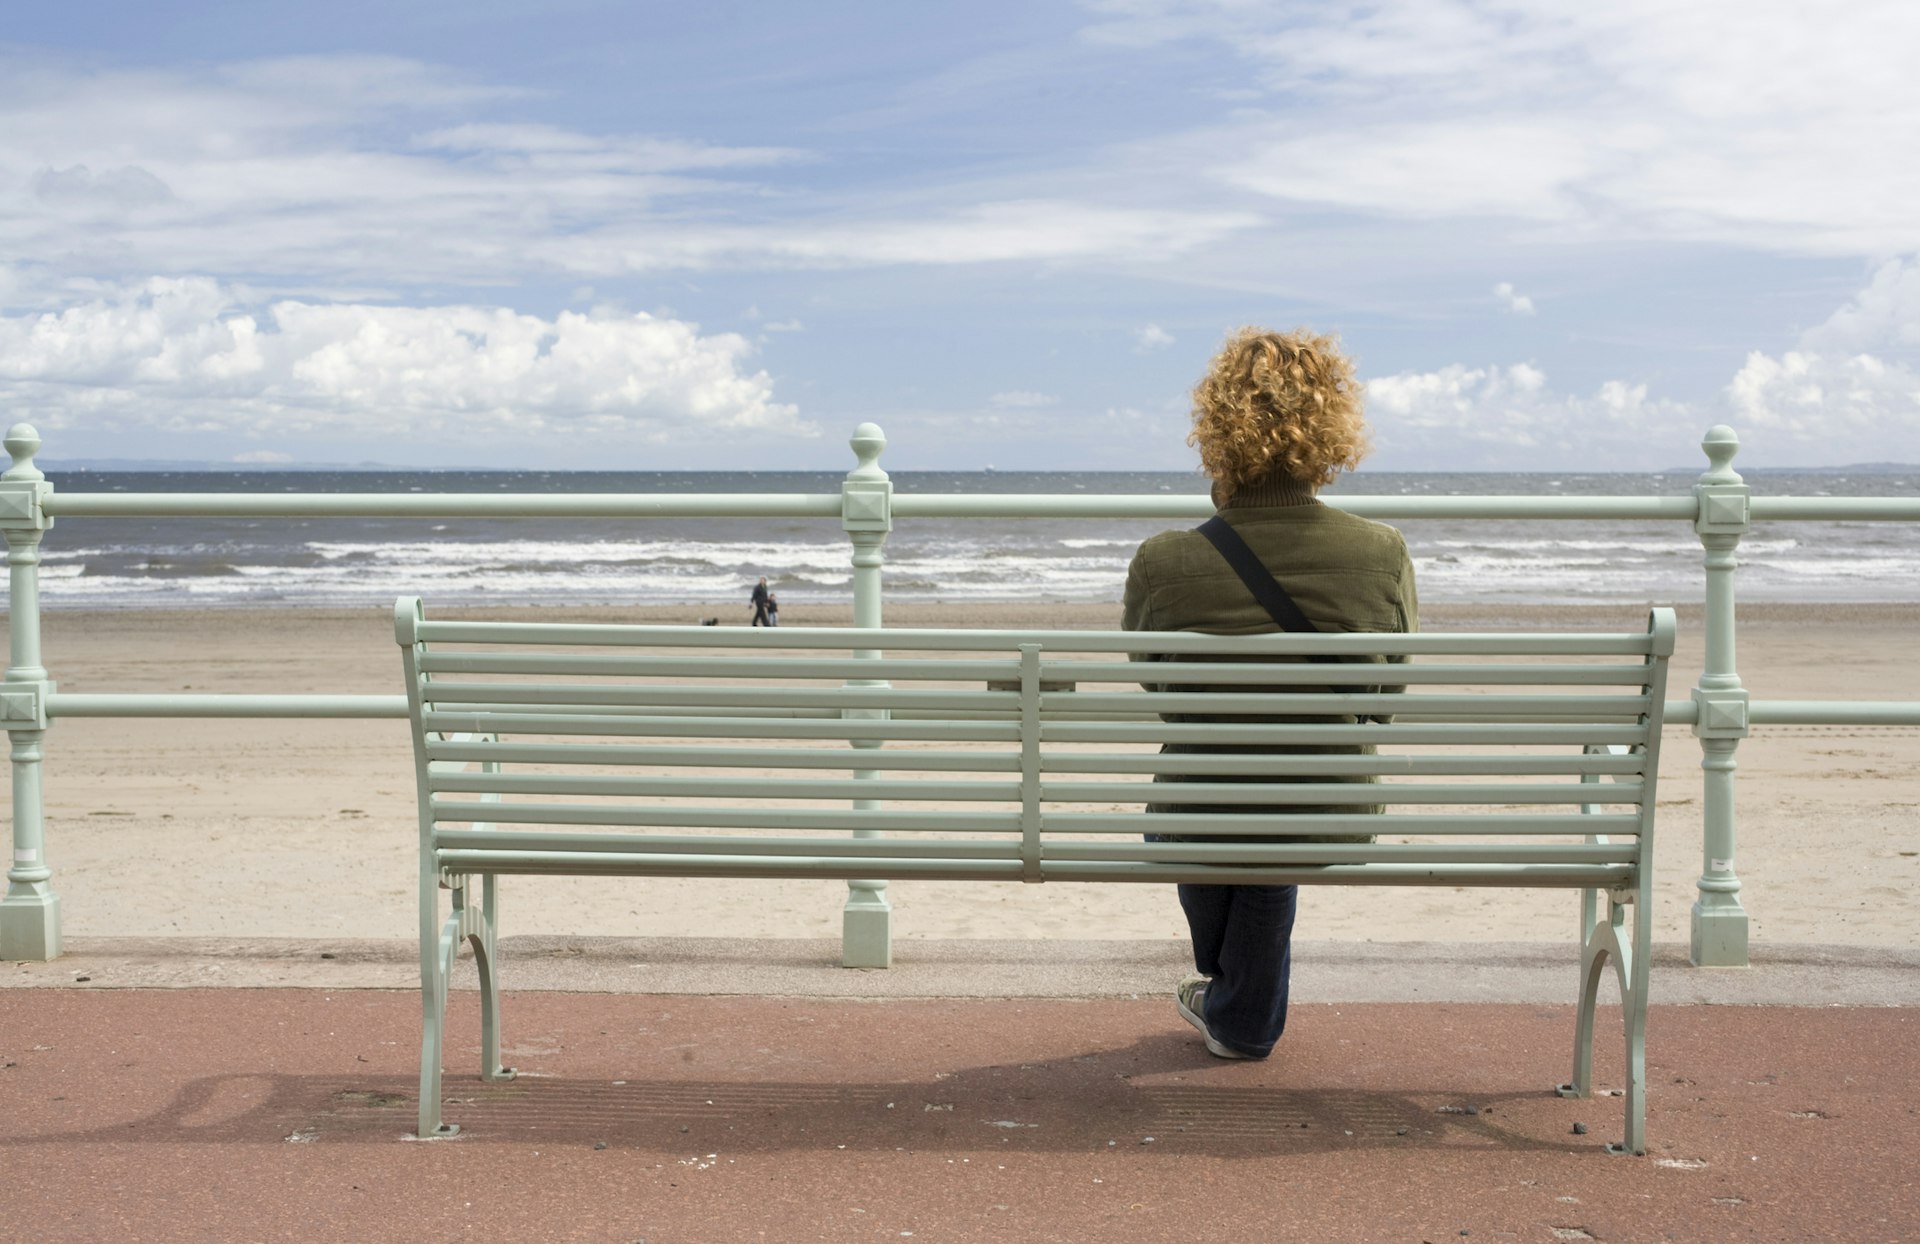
(1127, 505)
(91, 704)
(30, 913)
(1836, 509)
(922, 505)
(1721, 716)
(866, 508)
(667, 811)
(158, 704)
(440, 505)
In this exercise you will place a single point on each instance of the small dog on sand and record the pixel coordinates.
(709, 621)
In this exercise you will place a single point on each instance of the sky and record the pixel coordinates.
(638, 235)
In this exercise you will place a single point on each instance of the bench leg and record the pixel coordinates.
(1634, 975)
(1593, 965)
(436, 968)
(485, 958)
(1610, 942)
(1591, 948)
(475, 924)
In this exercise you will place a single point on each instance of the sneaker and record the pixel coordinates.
(1191, 999)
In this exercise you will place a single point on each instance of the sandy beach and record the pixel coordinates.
(285, 829)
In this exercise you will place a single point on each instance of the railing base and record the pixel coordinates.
(866, 935)
(30, 925)
(1719, 935)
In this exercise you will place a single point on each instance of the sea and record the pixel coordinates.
(149, 563)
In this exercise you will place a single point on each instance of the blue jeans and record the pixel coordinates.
(1243, 939)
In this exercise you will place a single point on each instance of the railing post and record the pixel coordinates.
(30, 913)
(1725, 515)
(866, 514)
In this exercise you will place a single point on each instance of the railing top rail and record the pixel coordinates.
(824, 505)
(920, 505)
(1837, 509)
(1127, 505)
(441, 505)
(60, 504)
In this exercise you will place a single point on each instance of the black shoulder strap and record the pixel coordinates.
(1259, 580)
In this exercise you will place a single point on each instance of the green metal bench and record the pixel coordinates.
(1509, 760)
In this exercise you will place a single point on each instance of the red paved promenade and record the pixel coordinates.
(281, 1114)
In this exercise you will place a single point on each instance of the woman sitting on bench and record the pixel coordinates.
(1277, 417)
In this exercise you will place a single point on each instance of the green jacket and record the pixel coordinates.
(1345, 573)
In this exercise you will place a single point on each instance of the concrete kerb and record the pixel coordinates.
(1781, 975)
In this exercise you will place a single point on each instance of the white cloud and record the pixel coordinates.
(189, 355)
(1769, 123)
(1022, 399)
(365, 85)
(1512, 299)
(555, 149)
(1033, 230)
(1824, 410)
(1509, 418)
(1423, 169)
(80, 187)
(1152, 337)
(1884, 316)
(1850, 392)
(289, 170)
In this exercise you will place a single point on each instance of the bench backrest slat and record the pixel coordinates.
(982, 790)
(717, 639)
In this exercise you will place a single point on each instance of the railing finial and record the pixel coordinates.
(23, 442)
(867, 442)
(1721, 443)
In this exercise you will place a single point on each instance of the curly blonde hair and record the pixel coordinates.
(1285, 403)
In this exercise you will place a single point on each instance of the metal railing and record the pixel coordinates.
(1721, 511)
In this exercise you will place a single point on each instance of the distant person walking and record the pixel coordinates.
(773, 610)
(762, 598)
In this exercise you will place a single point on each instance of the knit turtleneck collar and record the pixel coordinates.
(1274, 490)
